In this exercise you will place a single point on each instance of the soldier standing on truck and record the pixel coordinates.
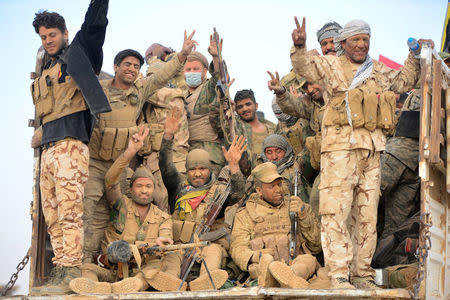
(359, 109)
(67, 97)
(127, 96)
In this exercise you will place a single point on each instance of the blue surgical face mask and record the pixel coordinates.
(193, 79)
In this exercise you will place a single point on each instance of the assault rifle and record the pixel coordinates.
(293, 219)
(223, 93)
(159, 250)
(202, 230)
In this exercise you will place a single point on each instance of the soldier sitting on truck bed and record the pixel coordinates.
(190, 199)
(263, 242)
(136, 221)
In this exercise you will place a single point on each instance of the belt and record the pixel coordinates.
(51, 144)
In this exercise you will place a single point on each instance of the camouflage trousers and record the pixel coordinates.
(96, 209)
(350, 186)
(399, 188)
(64, 172)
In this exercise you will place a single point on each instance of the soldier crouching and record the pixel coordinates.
(261, 241)
(135, 222)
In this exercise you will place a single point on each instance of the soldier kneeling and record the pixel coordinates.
(262, 241)
(137, 222)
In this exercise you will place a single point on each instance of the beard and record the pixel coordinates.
(140, 201)
(60, 50)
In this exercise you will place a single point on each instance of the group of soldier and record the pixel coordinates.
(161, 159)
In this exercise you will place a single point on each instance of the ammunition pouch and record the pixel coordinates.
(153, 140)
(53, 99)
(312, 143)
(368, 109)
(110, 143)
(182, 231)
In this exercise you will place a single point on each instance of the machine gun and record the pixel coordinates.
(201, 231)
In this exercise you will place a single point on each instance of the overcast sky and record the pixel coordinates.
(257, 37)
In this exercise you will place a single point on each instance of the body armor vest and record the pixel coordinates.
(110, 138)
(131, 232)
(54, 100)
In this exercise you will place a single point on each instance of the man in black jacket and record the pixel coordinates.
(67, 97)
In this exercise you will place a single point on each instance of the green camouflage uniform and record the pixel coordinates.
(202, 134)
(400, 179)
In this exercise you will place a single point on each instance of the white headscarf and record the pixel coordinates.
(352, 28)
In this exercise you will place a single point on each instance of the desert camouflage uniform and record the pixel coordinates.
(310, 154)
(400, 179)
(64, 172)
(121, 121)
(293, 79)
(160, 104)
(261, 228)
(350, 171)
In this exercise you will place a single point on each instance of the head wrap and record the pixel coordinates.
(329, 30)
(197, 56)
(352, 28)
(281, 116)
(279, 141)
(198, 157)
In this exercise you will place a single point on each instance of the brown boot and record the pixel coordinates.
(163, 281)
(265, 278)
(286, 277)
(85, 285)
(128, 285)
(365, 283)
(204, 283)
(101, 274)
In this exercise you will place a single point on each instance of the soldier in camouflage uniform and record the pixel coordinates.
(261, 233)
(189, 197)
(127, 97)
(137, 221)
(359, 105)
(200, 100)
(154, 114)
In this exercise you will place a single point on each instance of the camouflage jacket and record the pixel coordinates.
(335, 75)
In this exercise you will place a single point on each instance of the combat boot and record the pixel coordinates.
(341, 283)
(129, 285)
(286, 277)
(365, 283)
(204, 283)
(84, 285)
(163, 281)
(53, 279)
(265, 278)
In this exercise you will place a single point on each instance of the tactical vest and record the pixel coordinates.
(200, 128)
(271, 230)
(159, 100)
(148, 232)
(183, 229)
(110, 138)
(54, 100)
(294, 135)
(370, 107)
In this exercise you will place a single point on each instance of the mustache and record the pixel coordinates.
(330, 51)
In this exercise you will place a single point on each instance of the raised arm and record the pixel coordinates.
(92, 33)
(169, 173)
(113, 193)
(170, 69)
(233, 156)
